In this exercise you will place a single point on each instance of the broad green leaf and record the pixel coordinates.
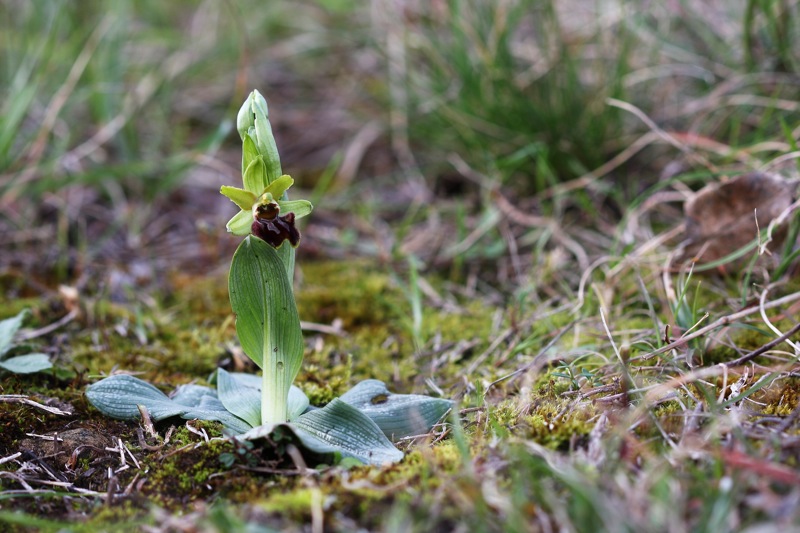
(266, 321)
(255, 177)
(300, 208)
(244, 199)
(240, 223)
(341, 427)
(192, 395)
(244, 402)
(27, 364)
(233, 423)
(398, 415)
(9, 328)
(247, 380)
(278, 187)
(118, 397)
(298, 401)
(202, 403)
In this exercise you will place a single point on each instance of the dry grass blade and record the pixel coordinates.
(721, 322)
(20, 398)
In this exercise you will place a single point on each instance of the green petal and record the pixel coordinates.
(244, 199)
(300, 208)
(255, 177)
(240, 223)
(279, 186)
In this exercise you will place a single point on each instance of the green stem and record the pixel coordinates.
(274, 394)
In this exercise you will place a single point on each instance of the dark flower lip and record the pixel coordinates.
(276, 230)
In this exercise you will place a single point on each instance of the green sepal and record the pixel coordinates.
(240, 223)
(300, 208)
(279, 186)
(244, 199)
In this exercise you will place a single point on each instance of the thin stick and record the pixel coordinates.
(10, 457)
(769, 324)
(20, 398)
(697, 158)
(66, 319)
(585, 180)
(724, 321)
(770, 345)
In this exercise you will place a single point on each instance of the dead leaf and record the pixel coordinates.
(721, 217)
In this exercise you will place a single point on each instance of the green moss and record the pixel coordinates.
(296, 503)
(13, 307)
(183, 475)
(355, 293)
(781, 399)
(189, 333)
(126, 515)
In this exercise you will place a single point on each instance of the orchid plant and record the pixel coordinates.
(360, 423)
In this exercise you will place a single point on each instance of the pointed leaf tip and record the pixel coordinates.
(398, 415)
(118, 396)
(341, 427)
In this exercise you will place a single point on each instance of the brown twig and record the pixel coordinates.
(724, 321)
(66, 319)
(771, 344)
(20, 398)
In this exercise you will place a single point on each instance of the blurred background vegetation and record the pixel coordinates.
(533, 155)
(115, 130)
